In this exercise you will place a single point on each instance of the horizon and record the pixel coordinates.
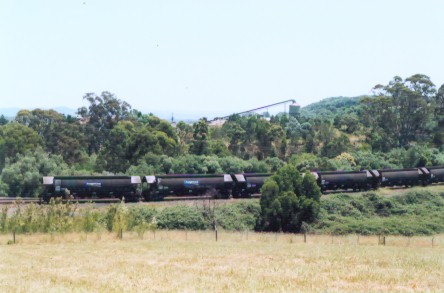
(11, 112)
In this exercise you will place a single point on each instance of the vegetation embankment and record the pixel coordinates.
(419, 211)
(413, 212)
(58, 217)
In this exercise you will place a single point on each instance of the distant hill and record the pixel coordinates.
(66, 111)
(11, 112)
(330, 106)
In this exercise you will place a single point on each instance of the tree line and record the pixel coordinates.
(400, 125)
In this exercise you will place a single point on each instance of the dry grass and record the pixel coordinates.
(193, 261)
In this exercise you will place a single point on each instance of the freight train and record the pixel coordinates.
(157, 187)
(132, 188)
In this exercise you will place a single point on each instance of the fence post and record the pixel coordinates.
(357, 240)
(305, 237)
(186, 234)
(121, 234)
(216, 234)
(13, 236)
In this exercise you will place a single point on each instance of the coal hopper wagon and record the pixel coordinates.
(247, 184)
(403, 177)
(436, 173)
(344, 180)
(127, 187)
(159, 186)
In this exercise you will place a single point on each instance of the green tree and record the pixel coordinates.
(218, 148)
(114, 154)
(3, 120)
(236, 137)
(288, 199)
(199, 145)
(23, 176)
(293, 128)
(17, 139)
(166, 143)
(102, 114)
(403, 111)
(439, 114)
(336, 146)
(61, 135)
(141, 142)
(185, 135)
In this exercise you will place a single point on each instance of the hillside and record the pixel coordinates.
(328, 106)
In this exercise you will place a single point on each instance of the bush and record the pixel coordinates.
(289, 199)
(417, 212)
(239, 216)
(141, 214)
(181, 217)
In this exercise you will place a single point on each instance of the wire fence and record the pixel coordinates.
(234, 237)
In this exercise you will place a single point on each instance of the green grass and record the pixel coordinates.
(415, 211)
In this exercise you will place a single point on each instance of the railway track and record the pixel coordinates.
(28, 200)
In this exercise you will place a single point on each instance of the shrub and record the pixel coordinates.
(181, 217)
(141, 214)
(239, 216)
(417, 212)
(288, 199)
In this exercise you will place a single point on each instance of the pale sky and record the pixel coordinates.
(215, 57)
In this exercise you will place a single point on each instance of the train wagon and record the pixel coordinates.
(247, 184)
(356, 180)
(159, 186)
(127, 187)
(402, 177)
(436, 173)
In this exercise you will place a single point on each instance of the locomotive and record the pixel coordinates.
(157, 187)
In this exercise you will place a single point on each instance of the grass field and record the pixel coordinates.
(193, 261)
